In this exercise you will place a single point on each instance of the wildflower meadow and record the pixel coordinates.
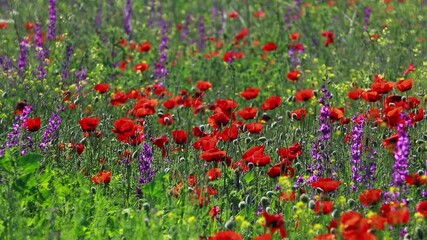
(215, 120)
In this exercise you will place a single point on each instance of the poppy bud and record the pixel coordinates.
(425, 137)
(93, 190)
(311, 204)
(294, 116)
(96, 99)
(166, 170)
(174, 117)
(181, 159)
(235, 142)
(248, 140)
(291, 99)
(230, 224)
(420, 141)
(319, 191)
(316, 93)
(262, 139)
(351, 203)
(304, 198)
(335, 213)
(298, 131)
(202, 128)
(242, 205)
(248, 200)
(420, 232)
(270, 194)
(403, 98)
(297, 166)
(421, 172)
(146, 207)
(407, 236)
(268, 209)
(279, 118)
(251, 165)
(273, 124)
(4, 95)
(167, 120)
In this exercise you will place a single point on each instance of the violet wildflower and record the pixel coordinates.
(160, 70)
(81, 79)
(23, 54)
(128, 18)
(185, 29)
(98, 18)
(41, 53)
(357, 152)
(52, 132)
(52, 20)
(145, 161)
(288, 17)
(401, 161)
(202, 37)
(321, 149)
(13, 138)
(368, 12)
(152, 13)
(67, 61)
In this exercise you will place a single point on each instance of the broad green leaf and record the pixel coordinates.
(29, 163)
(6, 162)
(249, 177)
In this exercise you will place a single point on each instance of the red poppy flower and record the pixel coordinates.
(119, 98)
(294, 75)
(271, 103)
(404, 85)
(275, 222)
(145, 47)
(80, 148)
(381, 86)
(204, 85)
(355, 94)
(336, 113)
(102, 177)
(230, 133)
(326, 236)
(259, 14)
(124, 126)
(422, 208)
(219, 118)
(89, 124)
(161, 142)
(416, 179)
(20, 106)
(141, 67)
(350, 220)
(166, 119)
(213, 154)
(370, 197)
(4, 25)
(326, 184)
(242, 34)
(33, 124)
(206, 143)
(248, 113)
(294, 36)
(329, 38)
(304, 95)
(102, 87)
(229, 56)
(299, 113)
(226, 235)
(371, 96)
(252, 151)
(29, 26)
(214, 212)
(268, 47)
(233, 14)
(254, 128)
(323, 207)
(250, 93)
(390, 142)
(377, 222)
(214, 174)
(180, 136)
(410, 68)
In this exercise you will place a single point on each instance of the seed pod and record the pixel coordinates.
(265, 202)
(304, 198)
(312, 204)
(230, 224)
(242, 205)
(351, 203)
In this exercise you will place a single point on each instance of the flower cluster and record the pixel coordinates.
(52, 21)
(357, 152)
(52, 132)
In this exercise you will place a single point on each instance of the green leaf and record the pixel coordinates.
(249, 177)
(6, 162)
(155, 187)
(29, 163)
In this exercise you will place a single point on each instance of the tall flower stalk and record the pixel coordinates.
(321, 148)
(357, 152)
(128, 18)
(52, 132)
(160, 71)
(41, 53)
(52, 20)
(145, 160)
(401, 161)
